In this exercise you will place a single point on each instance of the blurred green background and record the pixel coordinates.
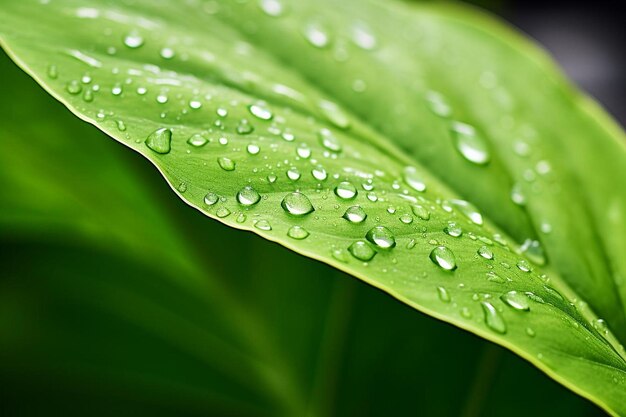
(118, 299)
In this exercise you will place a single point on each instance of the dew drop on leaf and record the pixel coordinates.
(210, 199)
(468, 211)
(248, 196)
(453, 229)
(355, 214)
(160, 140)
(226, 164)
(329, 141)
(443, 294)
(381, 237)
(444, 258)
(260, 112)
(319, 173)
(263, 225)
(133, 40)
(74, 87)
(197, 140)
(345, 190)
(492, 318)
(297, 233)
(414, 179)
(516, 300)
(470, 144)
(485, 252)
(362, 251)
(222, 212)
(420, 211)
(297, 204)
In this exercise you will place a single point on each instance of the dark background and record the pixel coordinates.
(586, 37)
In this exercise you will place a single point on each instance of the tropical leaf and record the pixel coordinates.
(354, 134)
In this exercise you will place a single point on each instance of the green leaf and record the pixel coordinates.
(282, 121)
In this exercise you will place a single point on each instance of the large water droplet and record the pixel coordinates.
(362, 251)
(453, 229)
(226, 164)
(297, 232)
(133, 40)
(355, 214)
(468, 210)
(414, 179)
(345, 190)
(160, 140)
(319, 173)
(443, 257)
(420, 211)
(248, 196)
(381, 237)
(516, 300)
(297, 204)
(469, 143)
(293, 174)
(210, 199)
(493, 319)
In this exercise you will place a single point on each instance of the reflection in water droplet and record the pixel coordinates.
(297, 232)
(453, 229)
(133, 40)
(355, 214)
(493, 319)
(381, 237)
(523, 265)
(485, 252)
(210, 199)
(345, 190)
(362, 251)
(297, 204)
(517, 196)
(319, 173)
(444, 258)
(160, 140)
(470, 144)
(253, 149)
(516, 300)
(293, 174)
(248, 196)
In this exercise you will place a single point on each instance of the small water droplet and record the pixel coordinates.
(271, 178)
(303, 151)
(363, 37)
(244, 127)
(248, 196)
(316, 34)
(444, 258)
(420, 211)
(453, 229)
(74, 87)
(485, 252)
(210, 199)
(272, 8)
(355, 214)
(260, 112)
(263, 225)
(226, 164)
(381, 237)
(293, 174)
(470, 144)
(133, 40)
(493, 319)
(167, 53)
(493, 277)
(443, 294)
(53, 72)
(523, 265)
(298, 233)
(160, 140)
(517, 196)
(516, 300)
(222, 112)
(406, 219)
(530, 332)
(329, 141)
(197, 140)
(534, 251)
(438, 104)
(319, 173)
(195, 104)
(222, 212)
(253, 149)
(362, 251)
(297, 204)
(345, 190)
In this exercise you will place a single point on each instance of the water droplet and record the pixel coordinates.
(443, 294)
(493, 319)
(406, 219)
(601, 326)
(244, 127)
(263, 225)
(53, 72)
(253, 149)
(260, 112)
(167, 53)
(443, 257)
(317, 35)
(319, 173)
(523, 265)
(195, 104)
(438, 104)
(222, 112)
(414, 179)
(121, 126)
(298, 233)
(530, 332)
(381, 237)
(516, 300)
(534, 251)
(210, 199)
(293, 174)
(133, 40)
(485, 252)
(453, 229)
(74, 87)
(297, 204)
(182, 187)
(420, 211)
(470, 144)
(226, 164)
(345, 190)
(355, 214)
(362, 251)
(222, 212)
(248, 196)
(160, 140)
(272, 8)
(241, 218)
(335, 115)
(116, 90)
(493, 277)
(363, 37)
(468, 211)
(272, 178)
(303, 151)
(197, 140)
(517, 196)
(329, 141)
(88, 95)
(162, 98)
